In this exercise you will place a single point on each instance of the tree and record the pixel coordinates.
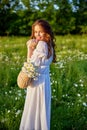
(7, 16)
(80, 13)
(64, 17)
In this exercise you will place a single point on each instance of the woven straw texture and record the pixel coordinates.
(23, 80)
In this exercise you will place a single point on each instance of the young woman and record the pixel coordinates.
(36, 114)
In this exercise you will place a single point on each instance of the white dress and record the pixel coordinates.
(36, 114)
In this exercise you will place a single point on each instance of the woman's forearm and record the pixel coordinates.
(29, 53)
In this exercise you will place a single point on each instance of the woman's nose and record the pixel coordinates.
(38, 33)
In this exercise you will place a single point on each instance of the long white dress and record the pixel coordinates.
(36, 114)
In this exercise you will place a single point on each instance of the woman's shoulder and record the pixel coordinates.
(42, 44)
(42, 47)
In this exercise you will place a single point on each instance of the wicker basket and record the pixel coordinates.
(23, 80)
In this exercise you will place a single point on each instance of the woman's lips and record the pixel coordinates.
(38, 38)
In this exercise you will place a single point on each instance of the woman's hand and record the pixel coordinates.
(33, 44)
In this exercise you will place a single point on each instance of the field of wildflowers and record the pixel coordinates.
(68, 82)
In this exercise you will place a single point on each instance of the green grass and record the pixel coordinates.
(68, 82)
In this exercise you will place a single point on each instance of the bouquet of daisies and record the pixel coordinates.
(28, 72)
(30, 69)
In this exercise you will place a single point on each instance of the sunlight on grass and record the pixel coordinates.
(68, 82)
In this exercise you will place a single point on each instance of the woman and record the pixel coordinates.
(36, 114)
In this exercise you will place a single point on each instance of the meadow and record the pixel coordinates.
(68, 83)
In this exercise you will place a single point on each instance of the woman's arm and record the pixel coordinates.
(40, 54)
(31, 45)
(29, 52)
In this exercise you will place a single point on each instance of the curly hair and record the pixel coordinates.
(49, 36)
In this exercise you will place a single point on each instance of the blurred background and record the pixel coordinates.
(65, 16)
(68, 19)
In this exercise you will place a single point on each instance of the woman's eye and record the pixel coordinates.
(41, 32)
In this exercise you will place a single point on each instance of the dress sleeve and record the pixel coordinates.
(40, 53)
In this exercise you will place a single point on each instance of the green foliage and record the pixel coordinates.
(80, 15)
(68, 82)
(69, 89)
(65, 16)
(7, 15)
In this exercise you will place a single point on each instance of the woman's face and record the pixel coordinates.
(39, 33)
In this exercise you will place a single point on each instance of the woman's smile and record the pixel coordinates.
(39, 32)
